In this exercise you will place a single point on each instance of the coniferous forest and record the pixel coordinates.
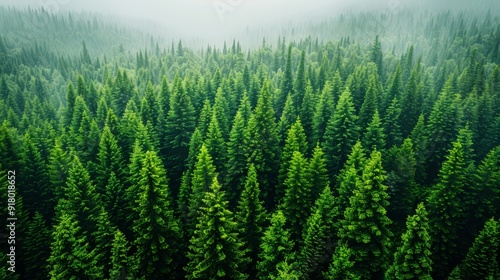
(341, 150)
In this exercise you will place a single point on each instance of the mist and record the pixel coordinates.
(215, 21)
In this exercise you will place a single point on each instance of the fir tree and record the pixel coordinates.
(276, 246)
(365, 225)
(318, 172)
(391, 122)
(122, 266)
(445, 212)
(216, 146)
(481, 260)
(37, 248)
(262, 147)
(250, 216)
(297, 201)
(215, 250)
(319, 235)
(342, 266)
(412, 259)
(341, 133)
(295, 141)
(71, 256)
(157, 229)
(374, 137)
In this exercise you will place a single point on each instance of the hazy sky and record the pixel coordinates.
(208, 18)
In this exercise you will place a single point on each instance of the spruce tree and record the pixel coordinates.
(216, 145)
(481, 260)
(318, 172)
(180, 125)
(412, 259)
(250, 216)
(37, 248)
(276, 246)
(157, 230)
(297, 200)
(374, 137)
(71, 256)
(323, 112)
(319, 235)
(391, 126)
(262, 146)
(365, 228)
(295, 141)
(411, 106)
(342, 266)
(445, 212)
(341, 133)
(215, 250)
(122, 265)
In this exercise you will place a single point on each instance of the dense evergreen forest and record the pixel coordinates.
(354, 152)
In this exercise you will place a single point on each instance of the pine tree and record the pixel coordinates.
(276, 246)
(349, 176)
(299, 87)
(445, 212)
(157, 229)
(306, 112)
(202, 177)
(391, 122)
(122, 266)
(221, 110)
(486, 187)
(103, 239)
(71, 256)
(374, 137)
(250, 216)
(377, 57)
(295, 141)
(323, 112)
(412, 259)
(319, 235)
(365, 225)
(297, 201)
(80, 199)
(216, 145)
(180, 125)
(37, 248)
(215, 250)
(70, 105)
(58, 169)
(262, 147)
(37, 192)
(419, 141)
(370, 103)
(109, 159)
(342, 266)
(318, 172)
(237, 159)
(286, 84)
(287, 118)
(411, 104)
(205, 117)
(481, 260)
(341, 133)
(442, 128)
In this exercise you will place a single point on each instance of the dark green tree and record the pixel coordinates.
(391, 125)
(215, 250)
(374, 137)
(342, 266)
(37, 248)
(341, 133)
(276, 246)
(157, 229)
(250, 216)
(122, 265)
(71, 256)
(216, 145)
(412, 259)
(318, 172)
(297, 200)
(365, 228)
(262, 147)
(445, 212)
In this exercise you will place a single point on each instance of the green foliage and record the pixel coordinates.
(481, 260)
(374, 137)
(250, 216)
(318, 172)
(365, 225)
(157, 230)
(445, 212)
(342, 266)
(412, 259)
(122, 266)
(215, 250)
(341, 133)
(276, 246)
(71, 256)
(297, 202)
(37, 248)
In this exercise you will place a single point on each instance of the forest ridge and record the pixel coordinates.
(348, 153)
